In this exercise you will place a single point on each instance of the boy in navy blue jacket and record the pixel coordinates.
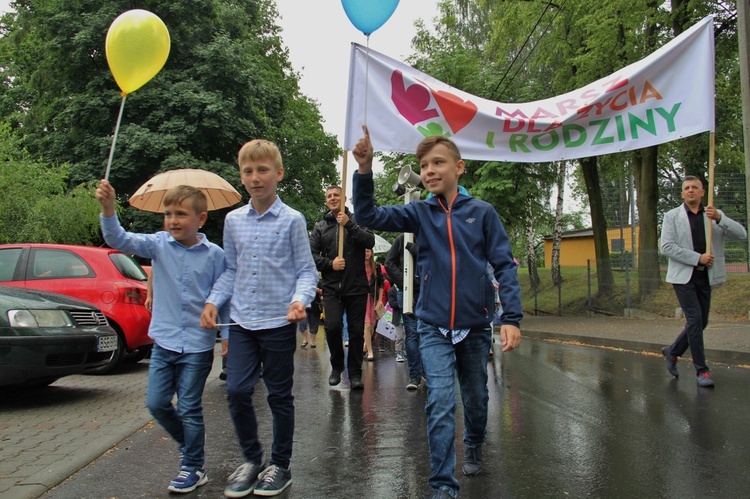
(457, 236)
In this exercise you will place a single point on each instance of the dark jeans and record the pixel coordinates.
(355, 307)
(695, 300)
(273, 351)
(313, 318)
(413, 357)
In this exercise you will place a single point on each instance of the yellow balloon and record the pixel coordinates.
(137, 47)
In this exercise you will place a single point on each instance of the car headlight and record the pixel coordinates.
(39, 318)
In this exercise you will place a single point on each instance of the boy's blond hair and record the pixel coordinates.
(260, 149)
(429, 142)
(186, 194)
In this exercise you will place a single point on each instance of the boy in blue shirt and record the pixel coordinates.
(271, 278)
(457, 236)
(187, 265)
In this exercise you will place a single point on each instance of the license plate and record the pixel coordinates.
(106, 343)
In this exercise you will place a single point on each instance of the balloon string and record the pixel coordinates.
(114, 138)
(367, 79)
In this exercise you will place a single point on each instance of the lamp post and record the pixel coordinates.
(409, 184)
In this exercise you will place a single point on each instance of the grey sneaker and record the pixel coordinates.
(413, 384)
(273, 481)
(704, 379)
(671, 362)
(400, 357)
(440, 494)
(241, 482)
(473, 460)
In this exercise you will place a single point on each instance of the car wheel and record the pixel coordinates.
(117, 358)
(137, 355)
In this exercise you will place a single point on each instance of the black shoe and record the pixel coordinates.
(273, 481)
(704, 379)
(335, 378)
(671, 362)
(472, 460)
(356, 382)
(242, 481)
(413, 383)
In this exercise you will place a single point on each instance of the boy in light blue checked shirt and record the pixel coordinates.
(271, 278)
(186, 265)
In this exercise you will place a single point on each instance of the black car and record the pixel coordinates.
(44, 336)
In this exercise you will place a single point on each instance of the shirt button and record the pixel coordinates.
(253, 291)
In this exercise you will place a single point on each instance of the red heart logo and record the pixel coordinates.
(456, 111)
(411, 102)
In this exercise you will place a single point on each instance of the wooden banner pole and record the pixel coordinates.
(711, 156)
(343, 203)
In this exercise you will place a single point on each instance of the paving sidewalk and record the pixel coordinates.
(725, 342)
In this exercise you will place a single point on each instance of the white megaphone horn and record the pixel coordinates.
(408, 178)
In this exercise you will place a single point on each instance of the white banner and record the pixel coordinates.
(664, 97)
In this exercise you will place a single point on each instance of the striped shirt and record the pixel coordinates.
(183, 277)
(269, 266)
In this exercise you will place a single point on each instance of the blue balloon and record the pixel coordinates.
(369, 15)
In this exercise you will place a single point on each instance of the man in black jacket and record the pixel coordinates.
(344, 284)
(394, 265)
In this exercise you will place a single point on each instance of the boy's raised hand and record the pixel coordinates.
(105, 194)
(363, 152)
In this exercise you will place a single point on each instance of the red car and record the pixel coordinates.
(112, 281)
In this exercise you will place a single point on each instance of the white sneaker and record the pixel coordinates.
(400, 357)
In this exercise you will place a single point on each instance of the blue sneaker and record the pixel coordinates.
(188, 479)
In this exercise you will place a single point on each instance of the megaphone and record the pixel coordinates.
(408, 178)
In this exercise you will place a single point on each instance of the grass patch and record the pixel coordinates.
(730, 300)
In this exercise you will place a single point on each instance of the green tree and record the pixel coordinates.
(35, 206)
(530, 50)
(227, 80)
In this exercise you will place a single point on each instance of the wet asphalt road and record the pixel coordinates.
(565, 421)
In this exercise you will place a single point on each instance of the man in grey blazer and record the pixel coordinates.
(693, 269)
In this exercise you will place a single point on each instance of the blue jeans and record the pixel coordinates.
(442, 361)
(184, 374)
(413, 358)
(271, 350)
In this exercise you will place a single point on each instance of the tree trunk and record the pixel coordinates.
(646, 175)
(647, 189)
(604, 277)
(557, 236)
(531, 249)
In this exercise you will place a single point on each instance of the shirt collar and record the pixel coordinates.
(274, 209)
(202, 240)
(690, 212)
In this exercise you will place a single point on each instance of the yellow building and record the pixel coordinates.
(577, 246)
